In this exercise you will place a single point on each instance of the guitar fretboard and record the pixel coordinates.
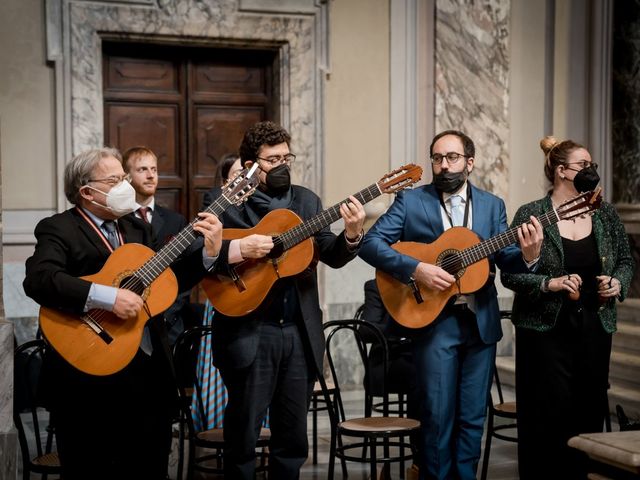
(477, 252)
(305, 230)
(157, 264)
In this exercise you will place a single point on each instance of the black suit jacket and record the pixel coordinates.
(166, 223)
(67, 248)
(236, 339)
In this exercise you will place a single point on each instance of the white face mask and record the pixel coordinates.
(121, 199)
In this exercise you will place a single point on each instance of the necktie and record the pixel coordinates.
(457, 210)
(143, 211)
(112, 233)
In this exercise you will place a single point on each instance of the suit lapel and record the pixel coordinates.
(157, 222)
(92, 236)
(552, 231)
(479, 222)
(431, 206)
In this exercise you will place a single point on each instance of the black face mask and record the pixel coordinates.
(279, 179)
(586, 179)
(449, 182)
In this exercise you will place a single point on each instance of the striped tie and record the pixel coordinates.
(207, 410)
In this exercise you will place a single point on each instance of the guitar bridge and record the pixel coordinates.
(97, 328)
(240, 285)
(274, 262)
(416, 291)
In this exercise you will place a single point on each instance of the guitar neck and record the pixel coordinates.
(483, 249)
(177, 245)
(305, 230)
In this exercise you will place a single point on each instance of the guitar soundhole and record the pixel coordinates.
(132, 283)
(451, 262)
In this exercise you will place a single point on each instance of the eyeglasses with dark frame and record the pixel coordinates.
(452, 158)
(112, 180)
(584, 164)
(279, 159)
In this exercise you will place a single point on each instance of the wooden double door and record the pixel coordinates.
(190, 105)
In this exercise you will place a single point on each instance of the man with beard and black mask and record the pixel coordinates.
(112, 426)
(270, 358)
(563, 344)
(455, 355)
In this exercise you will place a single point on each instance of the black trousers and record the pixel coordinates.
(281, 381)
(561, 391)
(113, 427)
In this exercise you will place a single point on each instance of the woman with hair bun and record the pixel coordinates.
(565, 315)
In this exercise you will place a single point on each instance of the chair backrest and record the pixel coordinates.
(335, 332)
(32, 420)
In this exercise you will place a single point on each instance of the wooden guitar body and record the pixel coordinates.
(399, 298)
(79, 345)
(256, 276)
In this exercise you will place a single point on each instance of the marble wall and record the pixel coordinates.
(472, 82)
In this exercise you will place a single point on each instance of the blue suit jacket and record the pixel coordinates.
(415, 216)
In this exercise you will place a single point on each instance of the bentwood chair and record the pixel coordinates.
(32, 420)
(205, 445)
(384, 436)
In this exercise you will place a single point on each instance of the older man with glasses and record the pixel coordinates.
(111, 426)
(454, 356)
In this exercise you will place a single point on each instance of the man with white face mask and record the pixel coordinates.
(125, 416)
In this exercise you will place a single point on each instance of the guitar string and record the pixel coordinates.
(481, 250)
(154, 265)
(306, 229)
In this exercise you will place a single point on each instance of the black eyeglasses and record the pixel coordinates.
(279, 159)
(112, 180)
(584, 164)
(452, 158)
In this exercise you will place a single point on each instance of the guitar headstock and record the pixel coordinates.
(239, 188)
(400, 178)
(583, 204)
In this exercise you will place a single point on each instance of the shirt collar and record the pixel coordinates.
(462, 191)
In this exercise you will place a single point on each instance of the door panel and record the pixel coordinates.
(190, 105)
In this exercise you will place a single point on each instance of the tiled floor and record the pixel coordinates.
(502, 464)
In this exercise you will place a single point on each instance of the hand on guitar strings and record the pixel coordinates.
(530, 237)
(352, 213)
(255, 246)
(211, 229)
(127, 305)
(570, 283)
(433, 277)
(608, 286)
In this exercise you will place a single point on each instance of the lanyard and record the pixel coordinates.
(466, 207)
(99, 231)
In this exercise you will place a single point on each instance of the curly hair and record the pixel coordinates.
(261, 133)
(556, 153)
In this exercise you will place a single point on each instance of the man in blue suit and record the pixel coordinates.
(454, 355)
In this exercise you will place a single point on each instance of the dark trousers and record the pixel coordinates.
(113, 427)
(280, 380)
(454, 369)
(561, 391)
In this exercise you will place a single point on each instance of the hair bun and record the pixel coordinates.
(547, 143)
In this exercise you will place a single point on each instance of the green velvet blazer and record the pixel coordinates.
(539, 311)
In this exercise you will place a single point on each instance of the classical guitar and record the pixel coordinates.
(293, 252)
(460, 252)
(100, 343)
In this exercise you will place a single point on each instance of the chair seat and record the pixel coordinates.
(215, 435)
(47, 460)
(378, 425)
(506, 409)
